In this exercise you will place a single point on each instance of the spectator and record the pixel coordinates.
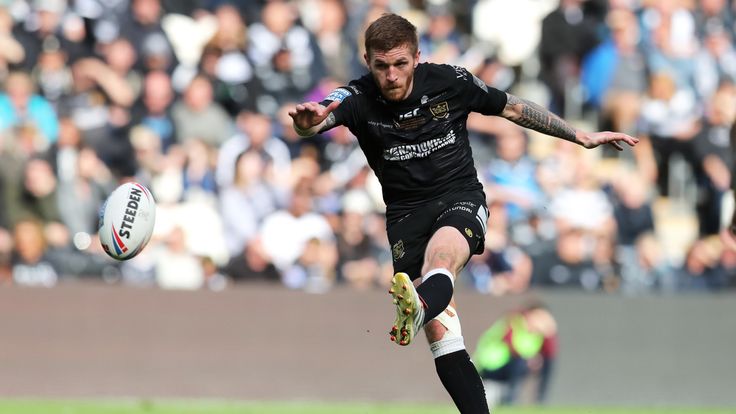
(226, 62)
(614, 74)
(52, 73)
(82, 192)
(715, 63)
(670, 41)
(11, 51)
(199, 173)
(712, 13)
(635, 233)
(715, 161)
(21, 106)
(334, 40)
(35, 197)
(584, 205)
(670, 118)
(196, 115)
(31, 266)
(708, 266)
(521, 343)
(301, 243)
(98, 105)
(148, 155)
(248, 200)
(43, 21)
(256, 132)
(176, 267)
(570, 264)
(154, 109)
(104, 18)
(120, 56)
(511, 174)
(358, 264)
(567, 35)
(441, 42)
(142, 28)
(252, 264)
(287, 59)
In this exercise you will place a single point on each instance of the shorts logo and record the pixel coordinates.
(468, 232)
(398, 250)
(440, 110)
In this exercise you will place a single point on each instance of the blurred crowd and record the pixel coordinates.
(191, 97)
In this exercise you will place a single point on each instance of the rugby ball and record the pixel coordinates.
(126, 221)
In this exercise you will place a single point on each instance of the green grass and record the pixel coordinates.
(214, 407)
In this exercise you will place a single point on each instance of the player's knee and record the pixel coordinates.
(447, 249)
(442, 258)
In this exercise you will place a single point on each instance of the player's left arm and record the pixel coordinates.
(533, 116)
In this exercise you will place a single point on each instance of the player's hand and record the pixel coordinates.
(310, 114)
(615, 139)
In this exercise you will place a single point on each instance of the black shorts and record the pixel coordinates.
(410, 235)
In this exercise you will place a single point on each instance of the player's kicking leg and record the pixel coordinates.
(409, 309)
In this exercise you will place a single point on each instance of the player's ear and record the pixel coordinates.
(367, 61)
(416, 58)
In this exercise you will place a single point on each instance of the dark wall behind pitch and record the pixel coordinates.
(266, 343)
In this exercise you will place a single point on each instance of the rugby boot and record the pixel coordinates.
(409, 309)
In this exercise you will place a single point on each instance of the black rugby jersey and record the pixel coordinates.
(418, 147)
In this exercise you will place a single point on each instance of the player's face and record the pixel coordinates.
(393, 71)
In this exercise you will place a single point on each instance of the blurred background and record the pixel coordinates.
(260, 234)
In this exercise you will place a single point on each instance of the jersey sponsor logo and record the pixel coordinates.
(411, 114)
(410, 120)
(420, 150)
(379, 124)
(440, 110)
(338, 94)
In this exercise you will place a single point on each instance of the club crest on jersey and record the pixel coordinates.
(440, 110)
(398, 250)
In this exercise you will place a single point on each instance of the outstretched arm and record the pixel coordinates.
(310, 118)
(533, 116)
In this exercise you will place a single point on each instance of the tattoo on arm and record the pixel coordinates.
(329, 122)
(540, 119)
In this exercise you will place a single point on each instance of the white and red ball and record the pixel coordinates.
(126, 221)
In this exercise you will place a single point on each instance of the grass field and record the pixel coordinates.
(212, 407)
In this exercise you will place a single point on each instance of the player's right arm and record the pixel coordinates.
(310, 118)
(533, 116)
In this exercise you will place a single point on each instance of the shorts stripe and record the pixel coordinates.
(482, 219)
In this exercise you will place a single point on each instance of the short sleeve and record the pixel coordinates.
(345, 113)
(480, 97)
